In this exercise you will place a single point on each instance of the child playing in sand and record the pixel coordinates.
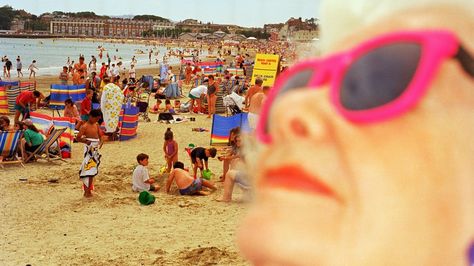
(186, 183)
(200, 154)
(156, 108)
(168, 107)
(177, 105)
(141, 181)
(90, 134)
(170, 147)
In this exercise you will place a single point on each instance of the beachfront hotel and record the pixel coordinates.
(123, 28)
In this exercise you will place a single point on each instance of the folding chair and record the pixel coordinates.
(44, 147)
(9, 141)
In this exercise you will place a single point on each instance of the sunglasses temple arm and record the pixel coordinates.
(466, 60)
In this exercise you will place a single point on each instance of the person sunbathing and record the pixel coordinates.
(186, 183)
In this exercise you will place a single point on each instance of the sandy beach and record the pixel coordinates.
(50, 223)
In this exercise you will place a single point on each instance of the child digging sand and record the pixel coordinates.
(170, 147)
(186, 183)
(200, 154)
(141, 181)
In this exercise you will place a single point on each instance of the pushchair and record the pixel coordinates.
(143, 102)
(233, 103)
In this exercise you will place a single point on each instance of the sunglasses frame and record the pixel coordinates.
(436, 46)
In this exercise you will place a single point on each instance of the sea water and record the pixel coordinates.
(51, 54)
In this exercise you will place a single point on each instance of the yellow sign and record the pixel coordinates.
(266, 68)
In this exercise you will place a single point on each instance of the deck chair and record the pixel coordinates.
(43, 149)
(9, 141)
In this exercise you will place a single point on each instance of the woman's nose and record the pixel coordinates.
(299, 115)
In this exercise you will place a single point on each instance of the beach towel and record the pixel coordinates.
(111, 103)
(90, 164)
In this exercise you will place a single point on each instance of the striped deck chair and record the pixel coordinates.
(9, 141)
(43, 149)
(236, 71)
(220, 108)
(3, 101)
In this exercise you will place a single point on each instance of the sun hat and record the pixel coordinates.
(28, 122)
(145, 198)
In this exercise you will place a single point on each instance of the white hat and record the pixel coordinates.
(28, 122)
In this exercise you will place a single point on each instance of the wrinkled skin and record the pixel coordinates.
(405, 186)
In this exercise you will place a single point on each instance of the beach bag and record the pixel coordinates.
(165, 116)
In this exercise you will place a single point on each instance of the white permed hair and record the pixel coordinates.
(341, 17)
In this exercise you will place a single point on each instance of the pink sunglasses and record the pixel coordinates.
(377, 80)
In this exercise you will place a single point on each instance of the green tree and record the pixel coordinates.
(7, 14)
(151, 17)
(259, 34)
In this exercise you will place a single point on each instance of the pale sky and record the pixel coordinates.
(248, 13)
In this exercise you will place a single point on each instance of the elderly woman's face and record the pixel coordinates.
(399, 192)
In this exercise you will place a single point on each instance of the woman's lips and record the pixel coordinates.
(295, 178)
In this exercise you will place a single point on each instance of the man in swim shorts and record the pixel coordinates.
(187, 185)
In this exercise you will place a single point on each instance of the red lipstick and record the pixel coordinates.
(295, 178)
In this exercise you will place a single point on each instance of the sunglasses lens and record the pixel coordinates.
(298, 80)
(380, 76)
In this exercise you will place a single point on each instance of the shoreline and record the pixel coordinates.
(43, 82)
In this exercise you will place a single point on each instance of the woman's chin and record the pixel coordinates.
(284, 231)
